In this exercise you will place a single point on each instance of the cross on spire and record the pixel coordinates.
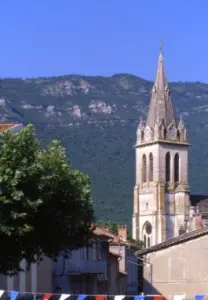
(161, 46)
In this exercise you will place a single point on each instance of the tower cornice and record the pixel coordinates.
(162, 142)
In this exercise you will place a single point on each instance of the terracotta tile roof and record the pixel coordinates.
(118, 240)
(114, 239)
(4, 127)
(101, 232)
(175, 241)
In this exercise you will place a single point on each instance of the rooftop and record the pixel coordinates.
(4, 127)
(102, 232)
(175, 241)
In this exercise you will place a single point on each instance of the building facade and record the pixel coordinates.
(107, 266)
(177, 266)
(128, 264)
(86, 269)
(161, 194)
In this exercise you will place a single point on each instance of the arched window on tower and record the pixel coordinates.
(176, 167)
(167, 167)
(144, 168)
(147, 233)
(151, 167)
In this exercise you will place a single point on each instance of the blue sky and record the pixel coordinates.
(103, 37)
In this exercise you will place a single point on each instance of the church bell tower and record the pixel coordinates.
(161, 193)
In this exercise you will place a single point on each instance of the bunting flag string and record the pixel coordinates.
(199, 297)
(140, 297)
(47, 296)
(64, 296)
(100, 297)
(15, 295)
(179, 297)
(81, 297)
(119, 297)
(159, 297)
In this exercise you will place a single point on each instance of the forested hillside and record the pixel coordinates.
(96, 118)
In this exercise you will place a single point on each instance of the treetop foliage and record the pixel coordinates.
(45, 204)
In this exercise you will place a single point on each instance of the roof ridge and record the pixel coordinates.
(174, 241)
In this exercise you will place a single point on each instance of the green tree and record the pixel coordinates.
(45, 205)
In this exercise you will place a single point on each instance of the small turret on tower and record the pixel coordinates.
(182, 130)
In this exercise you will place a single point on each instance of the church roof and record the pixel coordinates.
(175, 241)
(160, 105)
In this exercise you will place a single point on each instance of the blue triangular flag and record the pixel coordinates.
(13, 295)
(199, 297)
(81, 297)
(140, 297)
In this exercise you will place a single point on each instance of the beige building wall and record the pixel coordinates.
(120, 249)
(180, 269)
(38, 279)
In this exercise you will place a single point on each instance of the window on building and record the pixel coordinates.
(145, 241)
(150, 167)
(148, 228)
(176, 167)
(70, 254)
(144, 168)
(99, 250)
(147, 234)
(85, 251)
(167, 167)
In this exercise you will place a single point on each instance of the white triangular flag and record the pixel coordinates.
(179, 297)
(1, 293)
(119, 297)
(64, 296)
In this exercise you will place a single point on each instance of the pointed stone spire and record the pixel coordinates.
(160, 105)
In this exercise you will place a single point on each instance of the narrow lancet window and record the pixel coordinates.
(145, 241)
(151, 167)
(167, 167)
(176, 168)
(144, 168)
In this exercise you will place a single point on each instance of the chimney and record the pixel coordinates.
(122, 232)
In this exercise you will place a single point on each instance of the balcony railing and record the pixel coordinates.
(87, 266)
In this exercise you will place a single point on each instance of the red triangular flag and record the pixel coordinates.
(100, 297)
(158, 297)
(47, 296)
